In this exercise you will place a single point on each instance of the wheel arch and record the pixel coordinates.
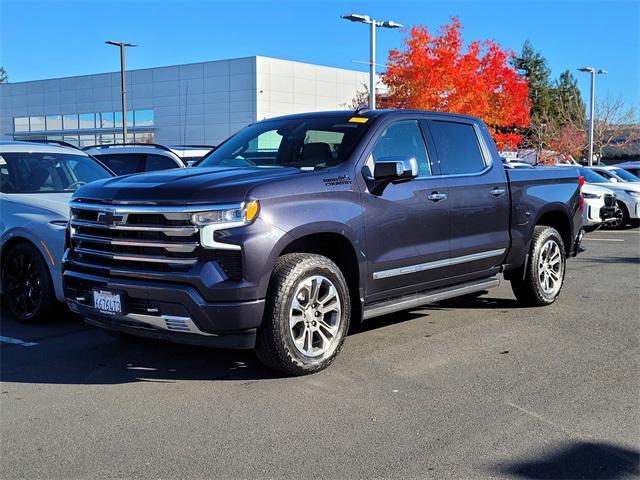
(558, 219)
(339, 249)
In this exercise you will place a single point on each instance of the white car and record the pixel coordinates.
(599, 206)
(615, 174)
(125, 159)
(36, 184)
(627, 197)
(191, 154)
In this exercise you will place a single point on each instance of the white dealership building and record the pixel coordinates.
(197, 103)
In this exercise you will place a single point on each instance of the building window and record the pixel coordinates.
(72, 139)
(143, 118)
(87, 141)
(54, 122)
(36, 124)
(21, 124)
(106, 120)
(87, 120)
(70, 122)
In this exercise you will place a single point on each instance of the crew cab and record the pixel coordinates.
(296, 227)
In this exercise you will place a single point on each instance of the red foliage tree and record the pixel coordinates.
(434, 73)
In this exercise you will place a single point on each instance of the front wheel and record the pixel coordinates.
(26, 284)
(621, 217)
(306, 316)
(541, 282)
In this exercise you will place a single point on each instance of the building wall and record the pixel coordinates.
(199, 103)
(285, 87)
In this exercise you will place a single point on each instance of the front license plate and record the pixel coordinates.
(107, 302)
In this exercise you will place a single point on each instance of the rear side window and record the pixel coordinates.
(457, 147)
(403, 140)
(123, 164)
(159, 162)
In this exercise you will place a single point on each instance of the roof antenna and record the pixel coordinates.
(362, 108)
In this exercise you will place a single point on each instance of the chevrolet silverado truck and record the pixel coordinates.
(296, 227)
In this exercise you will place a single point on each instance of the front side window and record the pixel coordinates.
(626, 176)
(457, 147)
(402, 140)
(590, 176)
(305, 143)
(159, 162)
(24, 172)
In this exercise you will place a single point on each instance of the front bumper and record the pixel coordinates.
(167, 311)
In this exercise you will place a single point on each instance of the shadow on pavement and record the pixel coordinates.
(632, 260)
(589, 460)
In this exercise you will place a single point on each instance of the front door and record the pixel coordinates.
(407, 224)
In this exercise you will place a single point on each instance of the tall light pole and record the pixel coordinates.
(356, 17)
(593, 73)
(123, 85)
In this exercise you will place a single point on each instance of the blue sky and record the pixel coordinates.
(64, 38)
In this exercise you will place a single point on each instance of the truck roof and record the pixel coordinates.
(370, 114)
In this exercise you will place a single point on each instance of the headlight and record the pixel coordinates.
(244, 213)
(632, 193)
(210, 221)
(591, 195)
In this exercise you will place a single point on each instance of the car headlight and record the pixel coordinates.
(632, 193)
(591, 195)
(244, 213)
(210, 221)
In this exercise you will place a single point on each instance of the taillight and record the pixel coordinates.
(580, 184)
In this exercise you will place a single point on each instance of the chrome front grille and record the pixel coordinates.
(126, 236)
(609, 200)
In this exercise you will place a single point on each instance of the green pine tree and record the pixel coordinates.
(4, 78)
(533, 66)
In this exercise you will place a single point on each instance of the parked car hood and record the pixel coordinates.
(55, 203)
(596, 189)
(620, 186)
(179, 186)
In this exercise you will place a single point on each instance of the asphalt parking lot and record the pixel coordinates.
(471, 389)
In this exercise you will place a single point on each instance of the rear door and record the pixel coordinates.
(407, 234)
(478, 197)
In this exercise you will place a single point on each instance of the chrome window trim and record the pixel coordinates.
(394, 272)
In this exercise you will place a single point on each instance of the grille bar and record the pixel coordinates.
(169, 230)
(135, 258)
(170, 246)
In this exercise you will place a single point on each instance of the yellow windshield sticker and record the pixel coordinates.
(358, 120)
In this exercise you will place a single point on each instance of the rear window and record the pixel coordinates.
(457, 147)
(123, 164)
(159, 162)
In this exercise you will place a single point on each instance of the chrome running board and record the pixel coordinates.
(416, 300)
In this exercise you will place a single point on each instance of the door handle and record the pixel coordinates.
(437, 196)
(497, 192)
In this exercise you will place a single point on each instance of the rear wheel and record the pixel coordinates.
(306, 316)
(26, 284)
(541, 282)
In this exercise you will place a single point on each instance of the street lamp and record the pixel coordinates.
(593, 73)
(123, 85)
(356, 17)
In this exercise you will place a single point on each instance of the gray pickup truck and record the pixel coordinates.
(297, 227)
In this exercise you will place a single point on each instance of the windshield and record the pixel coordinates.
(29, 172)
(592, 177)
(626, 176)
(305, 143)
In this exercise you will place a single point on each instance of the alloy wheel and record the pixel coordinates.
(550, 268)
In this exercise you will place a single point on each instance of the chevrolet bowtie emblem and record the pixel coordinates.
(110, 218)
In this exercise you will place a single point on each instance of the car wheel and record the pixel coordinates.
(621, 217)
(26, 284)
(542, 281)
(306, 316)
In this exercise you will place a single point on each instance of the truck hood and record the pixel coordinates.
(55, 203)
(197, 185)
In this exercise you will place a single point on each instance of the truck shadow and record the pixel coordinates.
(593, 460)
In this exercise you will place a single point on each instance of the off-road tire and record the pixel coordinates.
(274, 345)
(526, 285)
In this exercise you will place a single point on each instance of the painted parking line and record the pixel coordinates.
(17, 341)
(605, 239)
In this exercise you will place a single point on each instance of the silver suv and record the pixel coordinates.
(125, 159)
